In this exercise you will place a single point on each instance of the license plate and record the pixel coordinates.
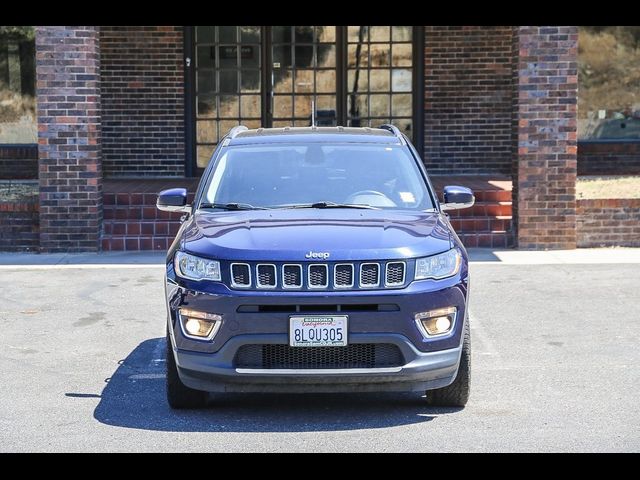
(318, 331)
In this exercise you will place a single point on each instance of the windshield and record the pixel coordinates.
(286, 175)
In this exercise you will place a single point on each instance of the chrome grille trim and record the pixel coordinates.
(284, 281)
(369, 285)
(326, 276)
(233, 282)
(335, 275)
(259, 284)
(386, 274)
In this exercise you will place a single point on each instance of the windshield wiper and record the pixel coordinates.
(231, 206)
(332, 205)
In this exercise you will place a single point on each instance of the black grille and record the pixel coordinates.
(292, 276)
(395, 273)
(318, 276)
(241, 274)
(266, 276)
(344, 276)
(369, 274)
(356, 355)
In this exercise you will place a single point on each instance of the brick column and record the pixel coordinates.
(545, 136)
(69, 147)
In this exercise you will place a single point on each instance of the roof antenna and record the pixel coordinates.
(313, 114)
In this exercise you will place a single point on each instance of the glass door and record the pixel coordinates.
(228, 84)
(269, 75)
(380, 76)
(302, 69)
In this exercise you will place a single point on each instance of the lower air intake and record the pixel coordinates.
(356, 355)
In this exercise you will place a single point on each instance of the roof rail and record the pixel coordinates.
(233, 133)
(393, 129)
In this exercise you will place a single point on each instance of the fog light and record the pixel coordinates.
(442, 324)
(199, 328)
(436, 322)
(199, 325)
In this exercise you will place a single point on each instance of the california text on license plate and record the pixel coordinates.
(318, 331)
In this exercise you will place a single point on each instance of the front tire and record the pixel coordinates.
(179, 395)
(456, 394)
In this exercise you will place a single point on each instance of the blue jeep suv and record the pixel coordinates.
(316, 260)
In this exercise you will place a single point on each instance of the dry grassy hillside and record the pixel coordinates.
(609, 74)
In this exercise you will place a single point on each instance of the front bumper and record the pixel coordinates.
(428, 362)
(215, 373)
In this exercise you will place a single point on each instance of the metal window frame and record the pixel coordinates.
(266, 66)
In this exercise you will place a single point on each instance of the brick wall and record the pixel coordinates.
(142, 101)
(468, 99)
(606, 223)
(19, 226)
(608, 158)
(545, 136)
(18, 162)
(68, 111)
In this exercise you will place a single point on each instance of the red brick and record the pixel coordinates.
(609, 159)
(66, 165)
(142, 81)
(173, 229)
(133, 228)
(545, 166)
(117, 244)
(608, 222)
(118, 228)
(150, 213)
(19, 162)
(468, 99)
(19, 227)
(146, 228)
(159, 243)
(484, 240)
(132, 244)
(161, 228)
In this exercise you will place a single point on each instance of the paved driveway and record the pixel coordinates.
(555, 367)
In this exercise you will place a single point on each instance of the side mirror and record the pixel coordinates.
(173, 200)
(456, 197)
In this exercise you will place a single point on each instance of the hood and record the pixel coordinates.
(288, 235)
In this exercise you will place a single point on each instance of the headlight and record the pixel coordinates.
(196, 268)
(438, 266)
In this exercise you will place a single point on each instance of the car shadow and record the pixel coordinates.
(134, 397)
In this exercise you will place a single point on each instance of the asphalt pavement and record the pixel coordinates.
(555, 366)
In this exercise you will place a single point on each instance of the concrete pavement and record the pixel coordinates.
(555, 356)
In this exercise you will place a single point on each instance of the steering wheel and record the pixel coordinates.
(368, 192)
(371, 197)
